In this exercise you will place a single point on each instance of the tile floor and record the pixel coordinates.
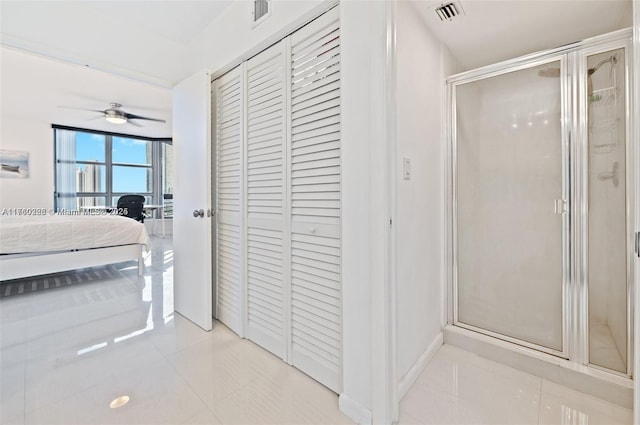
(66, 352)
(459, 387)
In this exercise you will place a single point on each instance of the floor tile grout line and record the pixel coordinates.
(24, 383)
(539, 402)
(184, 378)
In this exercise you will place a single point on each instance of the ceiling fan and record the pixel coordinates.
(115, 115)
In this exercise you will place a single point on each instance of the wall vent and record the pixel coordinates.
(261, 10)
(448, 11)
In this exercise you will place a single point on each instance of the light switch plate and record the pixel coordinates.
(406, 168)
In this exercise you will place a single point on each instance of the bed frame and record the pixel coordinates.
(25, 265)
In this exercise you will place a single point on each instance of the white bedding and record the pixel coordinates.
(21, 234)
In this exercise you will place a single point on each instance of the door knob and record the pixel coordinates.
(198, 213)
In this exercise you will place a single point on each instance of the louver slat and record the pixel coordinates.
(316, 201)
(266, 158)
(228, 187)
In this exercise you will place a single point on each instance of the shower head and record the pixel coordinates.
(613, 60)
(555, 72)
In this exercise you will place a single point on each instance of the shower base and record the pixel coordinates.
(604, 351)
(607, 386)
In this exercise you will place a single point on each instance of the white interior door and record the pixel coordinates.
(277, 120)
(192, 176)
(316, 282)
(228, 92)
(267, 236)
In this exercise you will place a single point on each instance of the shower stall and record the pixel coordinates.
(541, 203)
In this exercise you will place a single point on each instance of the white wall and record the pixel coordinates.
(230, 36)
(34, 89)
(422, 65)
(357, 191)
(35, 137)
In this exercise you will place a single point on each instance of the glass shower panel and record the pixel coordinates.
(607, 266)
(509, 205)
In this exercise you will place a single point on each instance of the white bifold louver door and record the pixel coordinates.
(279, 234)
(316, 318)
(267, 241)
(228, 105)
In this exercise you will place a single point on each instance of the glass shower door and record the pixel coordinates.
(607, 209)
(511, 211)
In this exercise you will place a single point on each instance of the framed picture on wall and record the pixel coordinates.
(14, 164)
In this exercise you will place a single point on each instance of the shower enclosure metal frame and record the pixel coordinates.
(573, 80)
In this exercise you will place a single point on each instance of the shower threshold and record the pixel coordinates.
(598, 383)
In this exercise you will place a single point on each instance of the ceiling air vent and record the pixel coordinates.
(261, 10)
(448, 11)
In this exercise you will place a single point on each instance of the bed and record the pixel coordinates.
(36, 245)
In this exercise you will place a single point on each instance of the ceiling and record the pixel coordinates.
(144, 40)
(490, 31)
(38, 90)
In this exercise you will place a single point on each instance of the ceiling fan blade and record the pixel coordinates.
(82, 109)
(139, 117)
(133, 123)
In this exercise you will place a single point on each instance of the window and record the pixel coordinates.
(95, 169)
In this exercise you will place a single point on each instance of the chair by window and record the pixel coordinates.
(132, 206)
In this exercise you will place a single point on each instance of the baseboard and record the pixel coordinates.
(410, 377)
(354, 410)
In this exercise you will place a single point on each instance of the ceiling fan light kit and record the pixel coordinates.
(116, 120)
(116, 115)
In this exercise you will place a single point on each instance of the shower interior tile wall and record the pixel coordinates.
(607, 218)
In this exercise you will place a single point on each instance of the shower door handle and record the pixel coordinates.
(638, 244)
(560, 206)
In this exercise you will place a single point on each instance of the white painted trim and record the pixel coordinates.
(445, 126)
(354, 410)
(418, 367)
(384, 381)
(19, 266)
(635, 134)
(391, 78)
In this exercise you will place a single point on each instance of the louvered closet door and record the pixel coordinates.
(267, 245)
(228, 120)
(316, 319)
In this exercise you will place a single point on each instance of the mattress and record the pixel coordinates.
(31, 234)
